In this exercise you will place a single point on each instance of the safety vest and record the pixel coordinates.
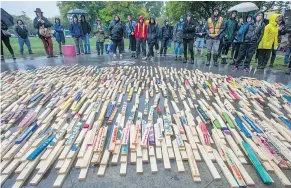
(214, 29)
(143, 30)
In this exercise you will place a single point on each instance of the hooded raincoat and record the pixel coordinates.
(270, 36)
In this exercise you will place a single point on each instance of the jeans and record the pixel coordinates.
(178, 48)
(188, 43)
(87, 43)
(246, 53)
(287, 55)
(263, 57)
(117, 43)
(48, 45)
(79, 44)
(142, 43)
(21, 42)
(199, 43)
(212, 44)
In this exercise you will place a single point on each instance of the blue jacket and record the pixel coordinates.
(76, 29)
(242, 29)
(129, 29)
(59, 32)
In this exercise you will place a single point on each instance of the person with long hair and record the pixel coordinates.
(86, 33)
(59, 34)
(21, 32)
(43, 27)
(130, 25)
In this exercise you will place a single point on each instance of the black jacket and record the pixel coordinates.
(116, 30)
(152, 33)
(253, 32)
(86, 27)
(21, 32)
(46, 23)
(189, 30)
(166, 32)
(200, 29)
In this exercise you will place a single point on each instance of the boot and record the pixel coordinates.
(208, 59)
(215, 60)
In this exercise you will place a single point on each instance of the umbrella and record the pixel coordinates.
(244, 7)
(6, 18)
(77, 11)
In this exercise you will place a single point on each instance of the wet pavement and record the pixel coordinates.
(106, 60)
(163, 178)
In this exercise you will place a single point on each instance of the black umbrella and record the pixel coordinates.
(77, 11)
(6, 18)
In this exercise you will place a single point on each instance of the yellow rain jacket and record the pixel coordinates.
(270, 37)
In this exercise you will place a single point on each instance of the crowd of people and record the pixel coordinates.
(245, 38)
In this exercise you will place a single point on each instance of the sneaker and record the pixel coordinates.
(246, 69)
(114, 56)
(49, 56)
(82, 53)
(78, 53)
(144, 58)
(185, 61)
(53, 55)
(234, 68)
(180, 58)
(120, 56)
(176, 58)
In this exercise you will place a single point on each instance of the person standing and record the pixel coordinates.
(234, 42)
(200, 35)
(5, 35)
(100, 36)
(251, 37)
(282, 31)
(77, 34)
(288, 51)
(140, 33)
(130, 25)
(239, 36)
(59, 34)
(116, 31)
(214, 28)
(188, 37)
(152, 38)
(86, 31)
(21, 32)
(268, 42)
(43, 27)
(166, 35)
(178, 39)
(230, 29)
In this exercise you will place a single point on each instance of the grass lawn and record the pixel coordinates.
(38, 50)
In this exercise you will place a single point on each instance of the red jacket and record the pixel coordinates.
(140, 31)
